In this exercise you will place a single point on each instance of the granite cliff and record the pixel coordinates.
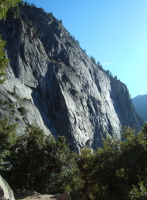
(54, 85)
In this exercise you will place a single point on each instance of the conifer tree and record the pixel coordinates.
(3, 61)
(5, 5)
(7, 138)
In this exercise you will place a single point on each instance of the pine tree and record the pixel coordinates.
(3, 61)
(4, 7)
(7, 138)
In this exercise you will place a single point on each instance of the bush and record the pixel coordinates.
(22, 110)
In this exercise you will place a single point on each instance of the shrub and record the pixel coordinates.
(22, 110)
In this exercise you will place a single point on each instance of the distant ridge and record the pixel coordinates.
(140, 104)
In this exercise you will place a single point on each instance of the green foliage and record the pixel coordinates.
(73, 180)
(5, 5)
(22, 110)
(7, 131)
(6, 104)
(118, 170)
(38, 162)
(3, 61)
(85, 164)
(140, 192)
(78, 42)
(15, 11)
(109, 73)
(7, 138)
(93, 59)
(73, 37)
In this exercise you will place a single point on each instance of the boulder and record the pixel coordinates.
(64, 196)
(5, 190)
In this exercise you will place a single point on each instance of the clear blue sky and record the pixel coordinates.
(114, 32)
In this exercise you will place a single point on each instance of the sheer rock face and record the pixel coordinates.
(62, 90)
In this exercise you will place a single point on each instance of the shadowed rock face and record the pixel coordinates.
(62, 90)
(140, 104)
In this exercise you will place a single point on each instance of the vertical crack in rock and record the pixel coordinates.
(59, 86)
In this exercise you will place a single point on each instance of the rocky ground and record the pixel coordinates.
(36, 196)
(31, 195)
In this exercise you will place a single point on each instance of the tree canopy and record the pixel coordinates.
(118, 171)
(5, 5)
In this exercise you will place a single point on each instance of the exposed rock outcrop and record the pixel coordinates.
(5, 191)
(62, 90)
(64, 196)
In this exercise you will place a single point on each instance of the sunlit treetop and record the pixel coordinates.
(5, 5)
